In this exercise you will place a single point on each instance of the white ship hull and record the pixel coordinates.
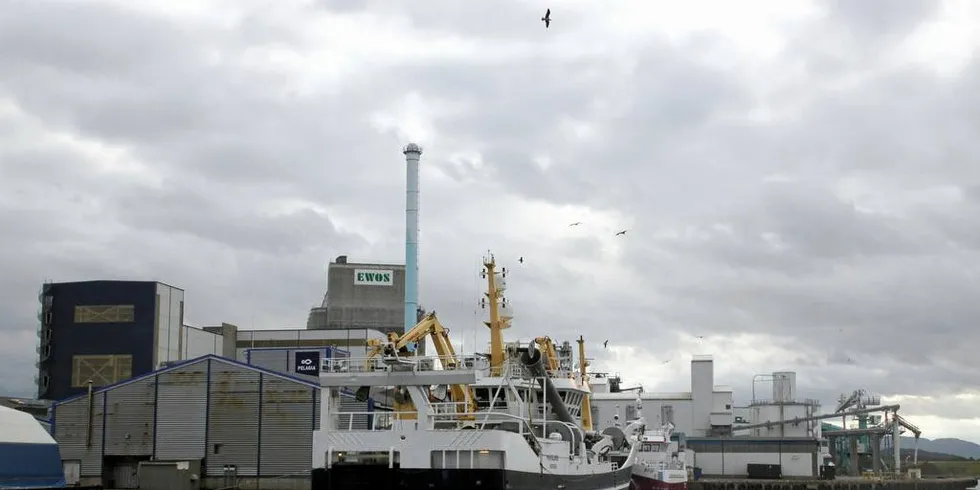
(453, 460)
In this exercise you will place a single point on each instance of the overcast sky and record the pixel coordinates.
(799, 179)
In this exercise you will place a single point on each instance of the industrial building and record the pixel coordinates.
(704, 411)
(708, 420)
(210, 419)
(362, 295)
(103, 332)
(108, 331)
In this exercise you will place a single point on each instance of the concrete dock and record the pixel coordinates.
(838, 484)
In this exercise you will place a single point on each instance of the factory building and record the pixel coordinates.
(783, 404)
(704, 411)
(214, 419)
(708, 420)
(104, 332)
(353, 340)
(362, 295)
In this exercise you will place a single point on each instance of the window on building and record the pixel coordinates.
(105, 314)
(103, 370)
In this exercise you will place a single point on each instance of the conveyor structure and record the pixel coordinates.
(852, 447)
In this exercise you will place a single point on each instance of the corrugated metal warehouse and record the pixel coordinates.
(236, 422)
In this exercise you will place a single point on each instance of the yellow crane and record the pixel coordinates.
(397, 345)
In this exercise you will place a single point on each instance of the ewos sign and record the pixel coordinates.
(308, 362)
(373, 277)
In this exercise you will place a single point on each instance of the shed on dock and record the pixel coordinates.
(240, 424)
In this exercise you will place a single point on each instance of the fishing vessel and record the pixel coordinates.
(512, 419)
(659, 465)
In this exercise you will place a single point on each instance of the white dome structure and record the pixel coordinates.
(29, 456)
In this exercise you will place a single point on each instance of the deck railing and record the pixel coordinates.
(441, 412)
(403, 363)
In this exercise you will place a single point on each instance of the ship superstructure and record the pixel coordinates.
(512, 419)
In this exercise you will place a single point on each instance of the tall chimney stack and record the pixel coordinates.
(412, 154)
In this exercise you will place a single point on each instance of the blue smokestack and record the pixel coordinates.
(412, 155)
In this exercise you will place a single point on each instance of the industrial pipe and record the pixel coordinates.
(532, 359)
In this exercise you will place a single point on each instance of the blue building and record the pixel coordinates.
(104, 332)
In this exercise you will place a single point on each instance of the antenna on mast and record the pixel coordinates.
(498, 322)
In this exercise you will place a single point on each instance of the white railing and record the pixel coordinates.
(441, 412)
(406, 363)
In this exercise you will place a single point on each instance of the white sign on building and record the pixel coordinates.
(373, 277)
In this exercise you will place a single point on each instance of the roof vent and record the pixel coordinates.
(341, 259)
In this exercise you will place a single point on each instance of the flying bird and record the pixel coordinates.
(521, 260)
(621, 233)
(605, 344)
(575, 223)
(547, 19)
(665, 362)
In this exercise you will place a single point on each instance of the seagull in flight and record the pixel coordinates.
(547, 19)
(605, 345)
(621, 233)
(575, 223)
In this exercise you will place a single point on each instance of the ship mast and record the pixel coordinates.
(497, 321)
(583, 363)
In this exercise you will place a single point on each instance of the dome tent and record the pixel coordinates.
(29, 456)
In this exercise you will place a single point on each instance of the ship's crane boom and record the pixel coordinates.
(547, 348)
(429, 326)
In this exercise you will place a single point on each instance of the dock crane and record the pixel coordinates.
(398, 346)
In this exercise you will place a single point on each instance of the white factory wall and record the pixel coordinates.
(742, 415)
(658, 408)
(170, 312)
(692, 413)
(736, 464)
(702, 395)
(353, 340)
(197, 343)
(722, 406)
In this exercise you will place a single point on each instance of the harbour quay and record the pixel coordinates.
(838, 484)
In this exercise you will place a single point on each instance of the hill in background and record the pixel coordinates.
(953, 446)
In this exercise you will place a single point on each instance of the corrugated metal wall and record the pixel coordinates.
(220, 421)
(130, 408)
(286, 443)
(71, 425)
(182, 401)
(233, 420)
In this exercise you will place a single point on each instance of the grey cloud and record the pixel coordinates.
(228, 220)
(477, 19)
(671, 152)
(880, 18)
